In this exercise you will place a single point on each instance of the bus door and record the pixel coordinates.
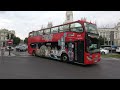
(79, 51)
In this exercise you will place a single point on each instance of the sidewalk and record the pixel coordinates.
(7, 53)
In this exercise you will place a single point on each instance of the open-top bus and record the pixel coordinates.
(76, 42)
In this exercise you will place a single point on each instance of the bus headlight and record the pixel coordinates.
(89, 58)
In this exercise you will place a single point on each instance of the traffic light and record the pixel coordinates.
(7, 36)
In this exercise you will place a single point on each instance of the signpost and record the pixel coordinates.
(9, 42)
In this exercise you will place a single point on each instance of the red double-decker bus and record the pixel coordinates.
(76, 42)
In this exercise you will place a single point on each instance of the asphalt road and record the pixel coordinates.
(17, 53)
(40, 68)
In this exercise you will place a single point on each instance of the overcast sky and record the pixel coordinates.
(25, 21)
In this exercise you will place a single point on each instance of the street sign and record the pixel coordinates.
(10, 41)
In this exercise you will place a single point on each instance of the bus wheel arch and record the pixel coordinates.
(64, 57)
(33, 53)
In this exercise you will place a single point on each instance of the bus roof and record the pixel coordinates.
(82, 21)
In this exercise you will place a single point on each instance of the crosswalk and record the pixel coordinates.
(16, 56)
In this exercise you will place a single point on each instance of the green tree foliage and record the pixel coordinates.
(16, 40)
(101, 39)
(25, 40)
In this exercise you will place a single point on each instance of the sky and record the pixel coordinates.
(24, 22)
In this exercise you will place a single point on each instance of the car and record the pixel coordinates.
(118, 50)
(17, 48)
(109, 47)
(22, 48)
(104, 51)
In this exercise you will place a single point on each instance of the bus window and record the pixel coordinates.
(40, 32)
(54, 30)
(31, 34)
(66, 27)
(91, 28)
(34, 33)
(33, 45)
(47, 31)
(37, 33)
(76, 27)
(61, 29)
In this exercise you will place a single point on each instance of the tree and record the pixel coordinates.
(16, 40)
(102, 40)
(26, 40)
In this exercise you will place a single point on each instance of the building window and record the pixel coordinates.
(2, 33)
(2, 38)
(68, 17)
(103, 34)
(116, 35)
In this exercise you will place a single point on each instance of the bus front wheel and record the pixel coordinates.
(64, 58)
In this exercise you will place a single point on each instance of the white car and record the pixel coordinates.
(104, 51)
(118, 50)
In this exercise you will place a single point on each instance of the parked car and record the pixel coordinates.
(109, 47)
(22, 48)
(104, 51)
(118, 50)
(17, 48)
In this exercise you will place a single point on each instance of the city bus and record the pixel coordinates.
(76, 42)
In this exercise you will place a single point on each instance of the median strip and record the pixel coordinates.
(115, 56)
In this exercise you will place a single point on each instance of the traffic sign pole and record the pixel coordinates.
(9, 42)
(9, 49)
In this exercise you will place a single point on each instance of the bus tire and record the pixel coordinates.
(64, 57)
(33, 53)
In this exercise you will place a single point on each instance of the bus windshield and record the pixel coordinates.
(91, 28)
(92, 38)
(93, 45)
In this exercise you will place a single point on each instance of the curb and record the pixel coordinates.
(111, 58)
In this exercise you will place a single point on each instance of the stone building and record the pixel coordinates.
(105, 32)
(3, 35)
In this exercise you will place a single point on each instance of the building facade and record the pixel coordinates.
(69, 16)
(106, 32)
(3, 35)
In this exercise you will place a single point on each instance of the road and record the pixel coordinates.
(40, 68)
(23, 54)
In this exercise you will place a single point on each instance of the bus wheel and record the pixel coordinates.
(64, 58)
(33, 53)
